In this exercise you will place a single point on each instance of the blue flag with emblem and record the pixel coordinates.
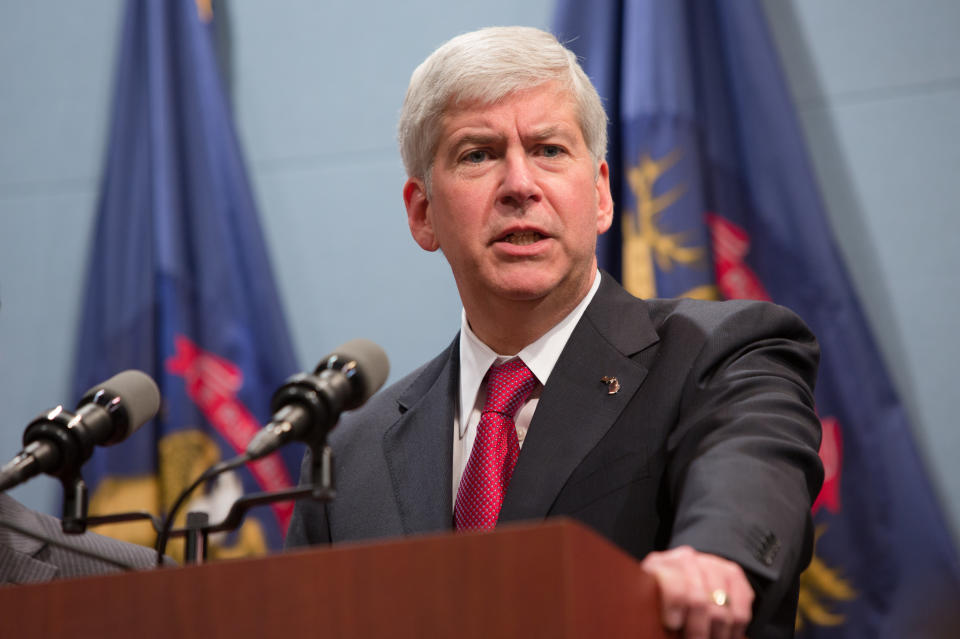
(716, 199)
(180, 286)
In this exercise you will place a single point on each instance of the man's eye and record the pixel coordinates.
(552, 150)
(475, 157)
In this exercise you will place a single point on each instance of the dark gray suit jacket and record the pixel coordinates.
(711, 441)
(26, 560)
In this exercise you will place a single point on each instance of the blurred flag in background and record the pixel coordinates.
(180, 286)
(716, 199)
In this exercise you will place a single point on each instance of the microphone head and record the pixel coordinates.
(131, 393)
(364, 362)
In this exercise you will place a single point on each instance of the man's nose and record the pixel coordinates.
(519, 186)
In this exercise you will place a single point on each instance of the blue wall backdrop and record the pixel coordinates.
(317, 87)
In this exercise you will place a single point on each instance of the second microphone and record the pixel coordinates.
(307, 406)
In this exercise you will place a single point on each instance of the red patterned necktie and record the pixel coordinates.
(495, 450)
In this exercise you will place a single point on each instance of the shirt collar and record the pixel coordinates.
(540, 356)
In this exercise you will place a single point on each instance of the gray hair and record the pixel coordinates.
(486, 66)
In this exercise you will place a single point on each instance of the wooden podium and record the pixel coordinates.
(556, 579)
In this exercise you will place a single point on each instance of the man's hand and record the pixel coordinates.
(703, 595)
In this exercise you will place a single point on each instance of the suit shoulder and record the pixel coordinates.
(750, 316)
(614, 306)
(413, 385)
(386, 406)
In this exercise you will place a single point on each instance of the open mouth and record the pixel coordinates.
(522, 238)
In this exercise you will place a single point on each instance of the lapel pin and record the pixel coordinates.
(613, 385)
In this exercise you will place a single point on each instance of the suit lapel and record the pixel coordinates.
(419, 446)
(575, 409)
(17, 568)
(18, 564)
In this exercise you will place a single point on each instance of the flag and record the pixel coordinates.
(180, 286)
(716, 199)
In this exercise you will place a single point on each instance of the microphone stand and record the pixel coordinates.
(75, 520)
(198, 528)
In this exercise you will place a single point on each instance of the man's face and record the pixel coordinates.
(516, 201)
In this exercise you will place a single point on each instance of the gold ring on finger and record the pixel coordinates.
(720, 597)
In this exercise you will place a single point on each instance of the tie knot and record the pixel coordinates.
(508, 387)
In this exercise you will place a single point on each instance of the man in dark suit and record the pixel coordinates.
(683, 431)
(26, 560)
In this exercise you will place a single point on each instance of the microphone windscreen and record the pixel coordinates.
(137, 390)
(372, 363)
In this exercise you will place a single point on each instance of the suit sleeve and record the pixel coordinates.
(26, 559)
(744, 468)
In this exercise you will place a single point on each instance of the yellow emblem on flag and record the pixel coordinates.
(644, 244)
(819, 585)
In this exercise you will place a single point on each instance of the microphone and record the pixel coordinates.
(58, 442)
(307, 407)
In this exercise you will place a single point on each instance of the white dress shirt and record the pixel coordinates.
(476, 359)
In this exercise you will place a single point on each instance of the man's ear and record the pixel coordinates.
(418, 214)
(604, 199)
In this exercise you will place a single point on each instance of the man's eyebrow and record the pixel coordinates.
(473, 139)
(552, 131)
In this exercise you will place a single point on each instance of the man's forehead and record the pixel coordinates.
(489, 97)
(550, 107)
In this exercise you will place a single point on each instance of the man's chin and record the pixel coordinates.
(528, 288)
(531, 283)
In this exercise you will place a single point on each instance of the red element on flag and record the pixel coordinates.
(831, 454)
(731, 243)
(212, 383)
